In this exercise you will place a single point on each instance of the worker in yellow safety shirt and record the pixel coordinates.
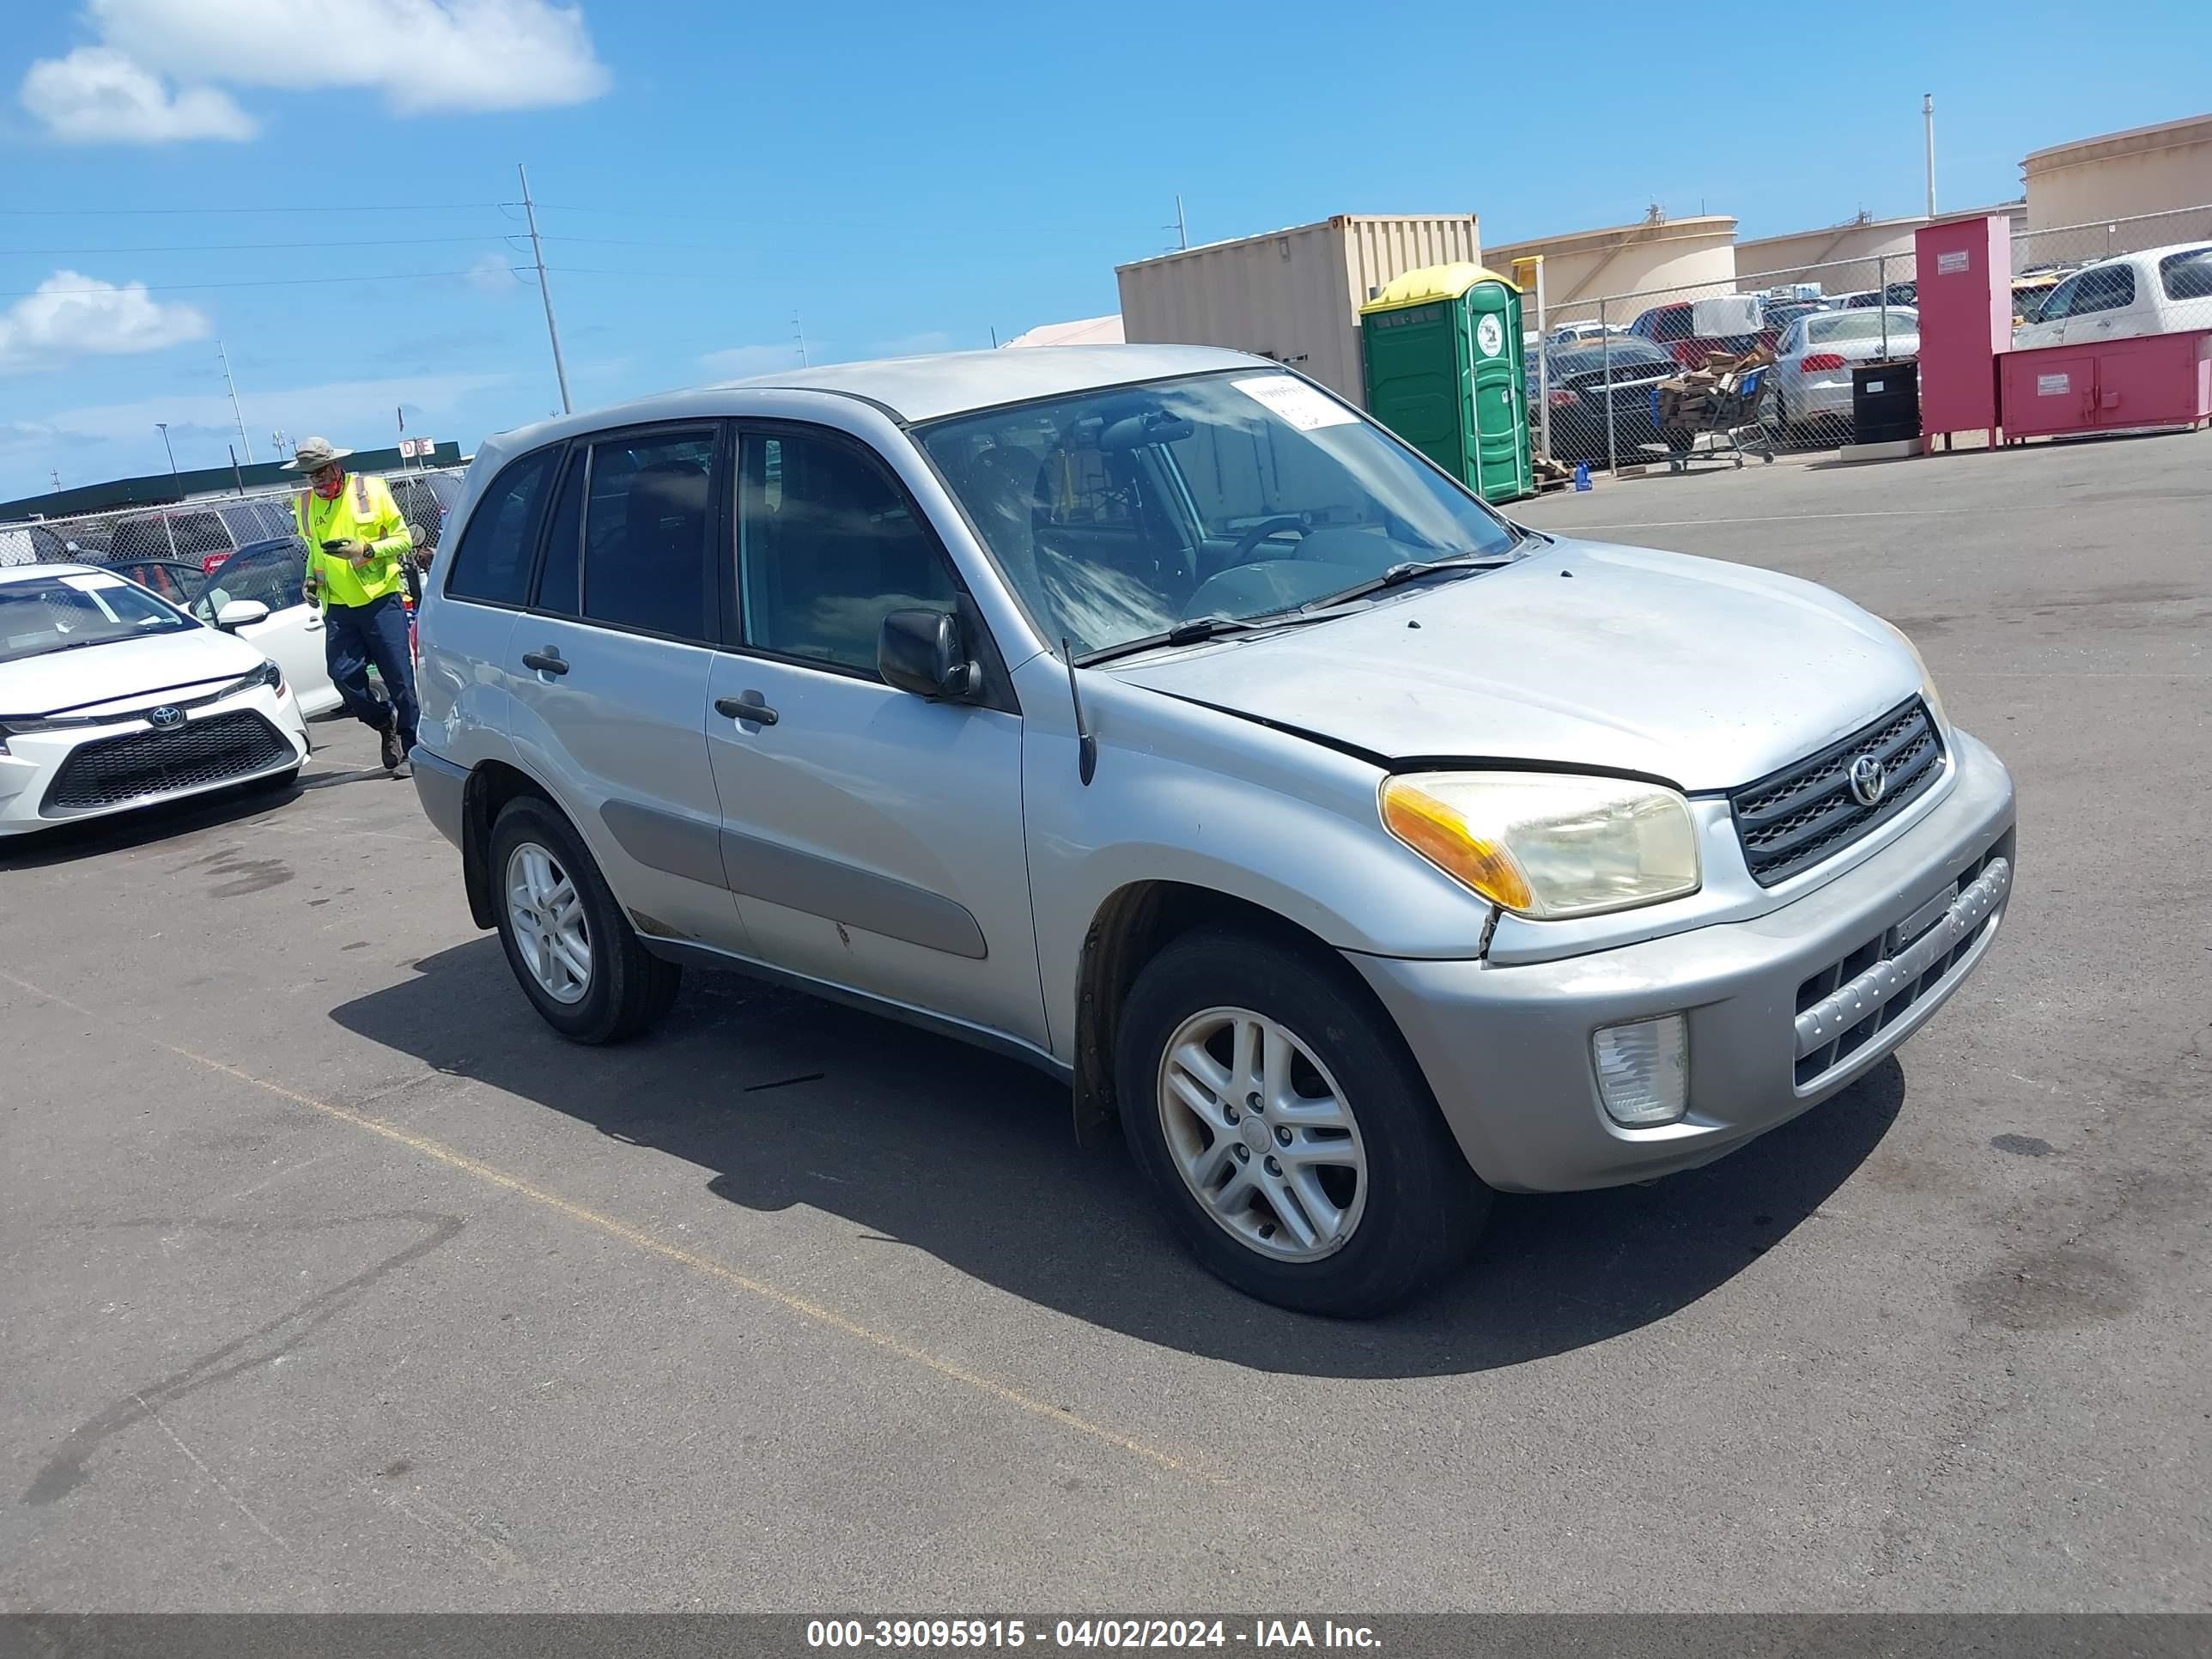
(357, 545)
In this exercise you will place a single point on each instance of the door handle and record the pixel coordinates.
(547, 661)
(749, 709)
(314, 627)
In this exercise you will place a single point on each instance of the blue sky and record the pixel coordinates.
(896, 177)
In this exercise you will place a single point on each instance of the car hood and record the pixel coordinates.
(1705, 674)
(79, 681)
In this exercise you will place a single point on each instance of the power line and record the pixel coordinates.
(233, 248)
(291, 207)
(272, 281)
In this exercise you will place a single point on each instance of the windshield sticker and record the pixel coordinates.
(1295, 401)
(93, 583)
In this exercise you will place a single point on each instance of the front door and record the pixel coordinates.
(874, 837)
(291, 635)
(609, 669)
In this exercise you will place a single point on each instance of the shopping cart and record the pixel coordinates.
(1732, 420)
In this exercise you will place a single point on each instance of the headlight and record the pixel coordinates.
(1927, 680)
(1548, 845)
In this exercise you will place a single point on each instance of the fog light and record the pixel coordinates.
(1643, 1070)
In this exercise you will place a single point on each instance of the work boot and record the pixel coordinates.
(394, 753)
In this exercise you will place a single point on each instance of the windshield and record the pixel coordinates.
(44, 613)
(1117, 513)
(1831, 327)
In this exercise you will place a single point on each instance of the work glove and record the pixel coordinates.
(351, 549)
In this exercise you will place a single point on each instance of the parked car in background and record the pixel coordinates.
(1896, 294)
(1673, 326)
(178, 581)
(1151, 715)
(1813, 361)
(1568, 334)
(272, 573)
(2032, 289)
(2160, 290)
(112, 699)
(1579, 377)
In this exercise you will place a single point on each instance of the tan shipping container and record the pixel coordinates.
(1290, 295)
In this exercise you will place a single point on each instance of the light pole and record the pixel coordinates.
(164, 427)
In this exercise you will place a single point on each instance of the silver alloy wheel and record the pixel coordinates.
(547, 915)
(1264, 1138)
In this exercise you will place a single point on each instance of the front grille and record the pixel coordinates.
(117, 770)
(1847, 1004)
(1806, 813)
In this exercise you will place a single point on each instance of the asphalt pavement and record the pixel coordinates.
(333, 1280)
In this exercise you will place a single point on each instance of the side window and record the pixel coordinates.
(271, 576)
(2187, 276)
(560, 581)
(648, 532)
(493, 560)
(827, 547)
(1673, 322)
(2106, 288)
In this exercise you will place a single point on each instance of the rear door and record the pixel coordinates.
(608, 670)
(875, 838)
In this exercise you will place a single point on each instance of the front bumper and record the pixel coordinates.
(35, 762)
(1783, 1009)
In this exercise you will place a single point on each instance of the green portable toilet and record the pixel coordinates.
(1445, 372)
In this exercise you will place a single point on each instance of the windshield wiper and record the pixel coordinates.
(1201, 629)
(1411, 570)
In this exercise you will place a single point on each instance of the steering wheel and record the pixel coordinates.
(1249, 542)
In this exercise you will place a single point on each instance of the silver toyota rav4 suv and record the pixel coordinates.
(1150, 714)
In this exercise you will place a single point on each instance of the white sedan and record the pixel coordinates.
(1814, 359)
(110, 698)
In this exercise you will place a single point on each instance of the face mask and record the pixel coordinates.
(329, 490)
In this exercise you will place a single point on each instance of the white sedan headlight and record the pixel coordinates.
(1548, 845)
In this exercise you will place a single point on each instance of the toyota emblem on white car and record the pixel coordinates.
(167, 718)
(1868, 780)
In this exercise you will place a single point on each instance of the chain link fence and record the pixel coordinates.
(1627, 379)
(173, 549)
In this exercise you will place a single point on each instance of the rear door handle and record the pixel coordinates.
(547, 661)
(749, 709)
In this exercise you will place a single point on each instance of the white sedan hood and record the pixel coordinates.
(128, 672)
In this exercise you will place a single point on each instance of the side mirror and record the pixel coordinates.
(922, 652)
(240, 613)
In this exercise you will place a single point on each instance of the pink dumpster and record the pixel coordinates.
(2155, 381)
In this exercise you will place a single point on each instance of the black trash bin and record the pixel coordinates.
(1886, 401)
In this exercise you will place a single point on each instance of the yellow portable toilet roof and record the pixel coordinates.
(1416, 287)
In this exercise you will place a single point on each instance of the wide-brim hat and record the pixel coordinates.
(314, 453)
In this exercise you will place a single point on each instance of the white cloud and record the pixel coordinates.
(423, 56)
(357, 414)
(71, 316)
(95, 96)
(494, 274)
(739, 362)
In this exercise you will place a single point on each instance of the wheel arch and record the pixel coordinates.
(491, 784)
(1133, 924)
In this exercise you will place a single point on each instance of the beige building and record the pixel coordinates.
(1290, 295)
(1697, 254)
(1845, 258)
(1087, 330)
(2144, 170)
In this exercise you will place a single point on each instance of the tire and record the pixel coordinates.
(1408, 1206)
(624, 988)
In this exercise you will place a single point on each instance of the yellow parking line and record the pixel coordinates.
(639, 1239)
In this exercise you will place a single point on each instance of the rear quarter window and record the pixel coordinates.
(493, 562)
(2187, 276)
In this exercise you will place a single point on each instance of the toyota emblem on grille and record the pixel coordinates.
(1868, 780)
(168, 717)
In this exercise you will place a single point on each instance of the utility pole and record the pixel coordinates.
(545, 291)
(798, 330)
(164, 426)
(1182, 226)
(237, 414)
(1927, 118)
